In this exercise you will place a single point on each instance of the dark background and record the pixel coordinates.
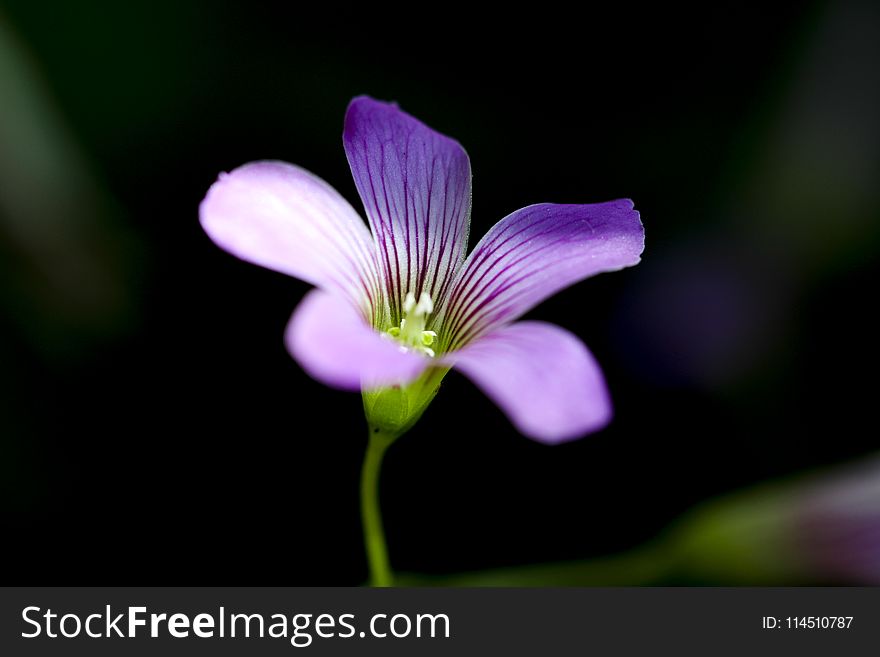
(154, 428)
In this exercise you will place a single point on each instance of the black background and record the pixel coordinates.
(158, 432)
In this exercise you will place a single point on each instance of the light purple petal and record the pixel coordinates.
(282, 217)
(533, 253)
(333, 343)
(416, 187)
(542, 377)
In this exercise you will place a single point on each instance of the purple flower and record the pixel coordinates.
(399, 303)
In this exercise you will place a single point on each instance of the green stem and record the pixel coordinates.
(371, 516)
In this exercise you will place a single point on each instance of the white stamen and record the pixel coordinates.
(411, 333)
(426, 306)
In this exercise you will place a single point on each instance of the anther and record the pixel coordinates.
(411, 333)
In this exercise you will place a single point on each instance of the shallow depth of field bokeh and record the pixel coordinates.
(152, 424)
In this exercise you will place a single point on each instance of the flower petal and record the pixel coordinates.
(542, 377)
(282, 217)
(334, 344)
(533, 253)
(416, 187)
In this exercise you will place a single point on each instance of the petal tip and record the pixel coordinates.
(632, 228)
(367, 100)
(364, 106)
(557, 435)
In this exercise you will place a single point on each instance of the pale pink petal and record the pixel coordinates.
(542, 377)
(282, 217)
(331, 340)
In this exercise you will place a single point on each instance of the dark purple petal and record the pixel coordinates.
(282, 217)
(541, 376)
(533, 253)
(416, 187)
(329, 338)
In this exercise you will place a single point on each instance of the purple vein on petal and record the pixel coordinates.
(477, 303)
(497, 308)
(533, 253)
(415, 184)
(468, 291)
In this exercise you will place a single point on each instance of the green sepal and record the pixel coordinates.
(392, 411)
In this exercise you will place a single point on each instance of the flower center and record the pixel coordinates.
(411, 333)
